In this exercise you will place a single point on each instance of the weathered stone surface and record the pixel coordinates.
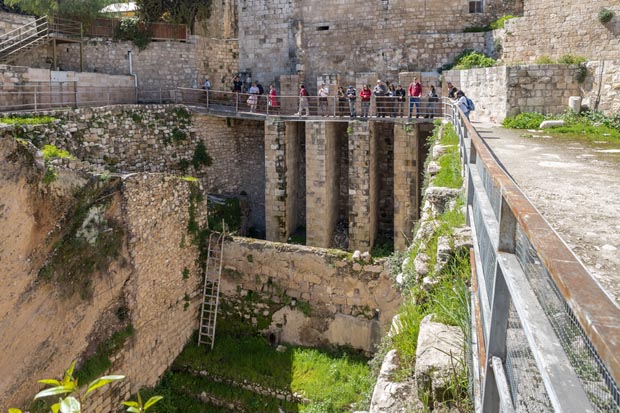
(438, 355)
(551, 124)
(393, 397)
(439, 198)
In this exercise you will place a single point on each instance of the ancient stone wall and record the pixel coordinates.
(306, 295)
(12, 21)
(601, 89)
(164, 138)
(30, 88)
(315, 38)
(557, 28)
(504, 91)
(147, 281)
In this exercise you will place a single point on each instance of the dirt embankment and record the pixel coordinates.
(42, 331)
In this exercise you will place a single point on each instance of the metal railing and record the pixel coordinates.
(546, 335)
(224, 102)
(22, 38)
(37, 96)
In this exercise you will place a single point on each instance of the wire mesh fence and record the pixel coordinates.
(597, 382)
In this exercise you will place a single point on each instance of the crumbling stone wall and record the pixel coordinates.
(163, 138)
(504, 91)
(12, 21)
(308, 296)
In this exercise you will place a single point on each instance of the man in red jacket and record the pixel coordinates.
(414, 93)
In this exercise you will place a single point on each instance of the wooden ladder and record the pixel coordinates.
(211, 291)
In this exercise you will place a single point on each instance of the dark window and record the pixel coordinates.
(322, 28)
(475, 6)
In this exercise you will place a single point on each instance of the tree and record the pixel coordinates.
(179, 11)
(79, 9)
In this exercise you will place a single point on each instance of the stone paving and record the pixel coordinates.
(575, 185)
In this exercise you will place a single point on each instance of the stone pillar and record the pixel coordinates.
(275, 180)
(363, 191)
(322, 178)
(406, 208)
(292, 155)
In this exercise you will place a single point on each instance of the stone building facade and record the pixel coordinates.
(557, 28)
(313, 38)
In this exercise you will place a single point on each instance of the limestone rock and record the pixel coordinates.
(439, 198)
(439, 353)
(421, 265)
(551, 124)
(391, 397)
(357, 255)
(366, 256)
(438, 150)
(433, 168)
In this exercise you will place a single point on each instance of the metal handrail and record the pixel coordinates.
(386, 108)
(36, 22)
(507, 219)
(40, 26)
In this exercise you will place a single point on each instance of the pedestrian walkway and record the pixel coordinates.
(575, 185)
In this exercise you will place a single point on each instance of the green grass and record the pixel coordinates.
(34, 120)
(53, 152)
(449, 176)
(470, 59)
(100, 362)
(593, 126)
(337, 378)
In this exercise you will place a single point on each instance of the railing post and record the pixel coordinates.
(160, 99)
(35, 96)
(75, 94)
(207, 99)
(496, 341)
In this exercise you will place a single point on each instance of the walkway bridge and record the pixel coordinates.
(546, 337)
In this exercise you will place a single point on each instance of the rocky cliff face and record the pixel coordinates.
(82, 258)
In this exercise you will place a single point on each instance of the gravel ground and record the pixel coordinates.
(576, 186)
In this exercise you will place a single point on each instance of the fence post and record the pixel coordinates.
(496, 341)
(75, 94)
(207, 99)
(35, 96)
(160, 101)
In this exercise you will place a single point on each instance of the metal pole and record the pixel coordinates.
(207, 99)
(75, 93)
(35, 97)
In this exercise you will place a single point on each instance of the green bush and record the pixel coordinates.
(544, 60)
(605, 15)
(526, 120)
(131, 29)
(201, 157)
(570, 59)
(470, 59)
(499, 23)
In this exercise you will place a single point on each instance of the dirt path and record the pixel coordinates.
(576, 186)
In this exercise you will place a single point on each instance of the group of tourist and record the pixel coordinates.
(389, 99)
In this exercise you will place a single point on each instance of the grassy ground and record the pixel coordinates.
(333, 380)
(592, 126)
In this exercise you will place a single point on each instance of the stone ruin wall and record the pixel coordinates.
(313, 38)
(504, 91)
(147, 279)
(138, 138)
(308, 296)
(556, 28)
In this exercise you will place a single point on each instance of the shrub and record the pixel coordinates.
(527, 120)
(544, 60)
(570, 59)
(499, 23)
(605, 15)
(470, 59)
(53, 152)
(201, 157)
(131, 29)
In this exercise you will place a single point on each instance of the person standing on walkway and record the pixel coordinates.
(414, 92)
(323, 94)
(236, 88)
(433, 103)
(452, 91)
(399, 93)
(352, 97)
(303, 101)
(272, 103)
(365, 95)
(380, 91)
(253, 99)
(342, 101)
(461, 101)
